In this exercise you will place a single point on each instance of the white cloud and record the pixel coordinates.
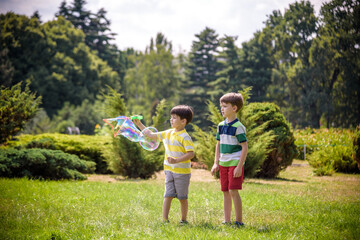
(136, 21)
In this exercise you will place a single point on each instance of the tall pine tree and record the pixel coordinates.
(202, 70)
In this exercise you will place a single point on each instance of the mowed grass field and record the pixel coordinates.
(297, 205)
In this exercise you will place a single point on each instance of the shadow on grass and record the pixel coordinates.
(278, 180)
(221, 227)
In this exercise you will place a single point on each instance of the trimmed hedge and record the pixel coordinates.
(42, 164)
(95, 149)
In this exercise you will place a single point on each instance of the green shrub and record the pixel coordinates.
(89, 148)
(328, 150)
(282, 149)
(330, 159)
(259, 138)
(41, 163)
(314, 139)
(129, 158)
(46, 143)
(356, 146)
(17, 107)
(206, 141)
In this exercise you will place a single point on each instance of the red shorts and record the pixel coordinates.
(227, 180)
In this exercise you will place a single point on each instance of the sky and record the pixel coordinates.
(137, 21)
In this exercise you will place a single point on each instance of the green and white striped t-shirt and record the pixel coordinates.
(230, 136)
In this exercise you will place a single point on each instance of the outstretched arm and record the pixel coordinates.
(147, 132)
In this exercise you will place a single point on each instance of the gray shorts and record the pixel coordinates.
(177, 185)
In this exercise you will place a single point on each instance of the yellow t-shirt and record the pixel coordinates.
(176, 145)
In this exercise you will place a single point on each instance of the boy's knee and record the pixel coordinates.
(234, 192)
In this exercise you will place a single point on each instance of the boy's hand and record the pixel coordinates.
(214, 169)
(237, 172)
(136, 121)
(171, 160)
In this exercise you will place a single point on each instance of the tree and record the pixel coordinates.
(256, 65)
(292, 37)
(98, 35)
(76, 72)
(228, 79)
(24, 50)
(16, 108)
(202, 70)
(155, 76)
(338, 49)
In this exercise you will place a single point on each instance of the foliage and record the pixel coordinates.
(54, 57)
(41, 163)
(228, 78)
(201, 73)
(84, 116)
(306, 64)
(24, 49)
(40, 123)
(129, 158)
(356, 146)
(314, 139)
(155, 76)
(93, 149)
(282, 149)
(328, 150)
(96, 27)
(16, 108)
(338, 46)
(206, 140)
(338, 158)
(259, 136)
(255, 66)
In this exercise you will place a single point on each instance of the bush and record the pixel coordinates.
(129, 158)
(41, 163)
(356, 146)
(89, 148)
(46, 143)
(259, 136)
(283, 149)
(314, 139)
(330, 159)
(16, 108)
(329, 150)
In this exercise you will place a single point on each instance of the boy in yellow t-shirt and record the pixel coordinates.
(179, 150)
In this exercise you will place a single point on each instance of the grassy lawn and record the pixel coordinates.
(297, 205)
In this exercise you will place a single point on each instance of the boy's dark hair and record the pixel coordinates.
(234, 99)
(183, 111)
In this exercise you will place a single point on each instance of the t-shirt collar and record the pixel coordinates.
(177, 133)
(232, 122)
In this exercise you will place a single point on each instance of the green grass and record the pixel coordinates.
(295, 206)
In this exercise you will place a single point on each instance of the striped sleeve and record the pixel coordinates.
(188, 144)
(241, 134)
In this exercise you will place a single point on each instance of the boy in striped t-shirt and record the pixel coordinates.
(179, 150)
(230, 154)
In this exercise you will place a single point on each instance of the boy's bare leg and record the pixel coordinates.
(227, 206)
(166, 207)
(237, 204)
(184, 209)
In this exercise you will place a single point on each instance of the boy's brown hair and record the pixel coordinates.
(235, 99)
(183, 111)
